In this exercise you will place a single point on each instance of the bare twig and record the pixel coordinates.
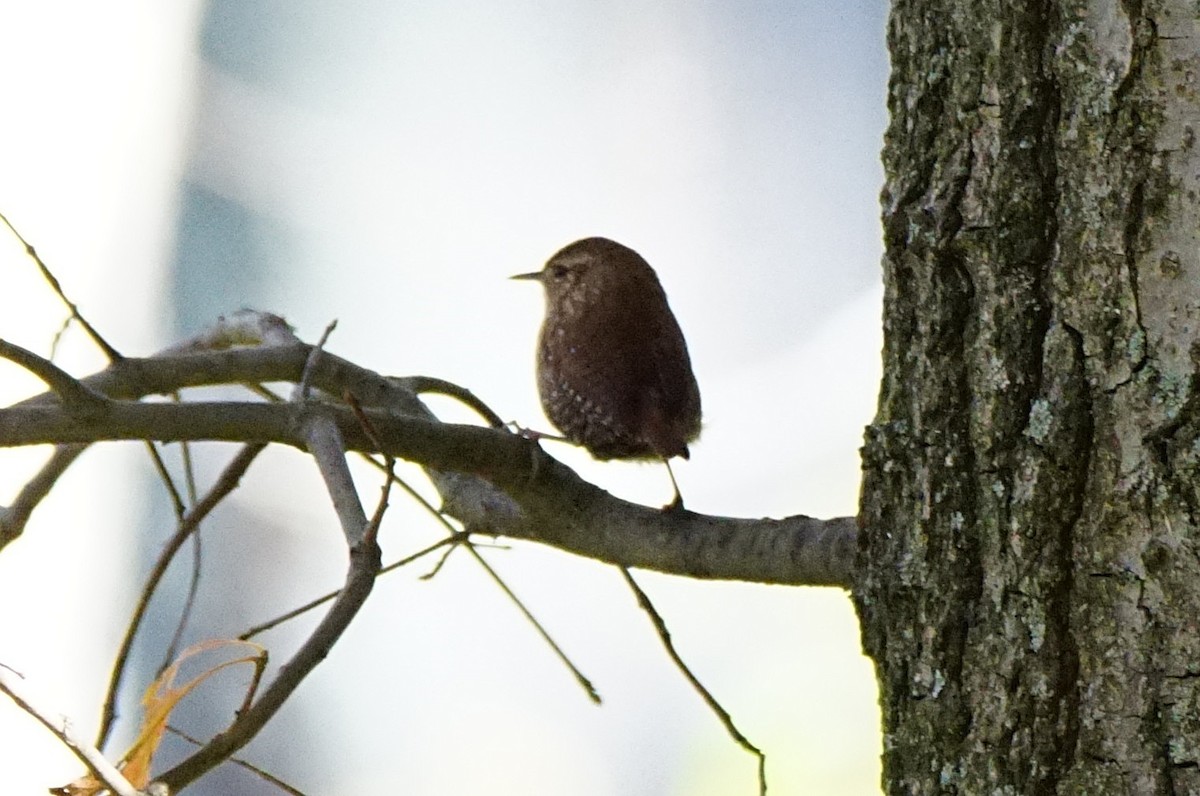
(76, 396)
(189, 602)
(13, 684)
(455, 537)
(314, 356)
(664, 635)
(260, 668)
(579, 676)
(237, 761)
(324, 442)
(14, 517)
(326, 446)
(259, 629)
(110, 352)
(225, 484)
(180, 509)
(423, 385)
(583, 681)
(164, 475)
(437, 566)
(59, 335)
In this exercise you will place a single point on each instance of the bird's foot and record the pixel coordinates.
(674, 506)
(533, 434)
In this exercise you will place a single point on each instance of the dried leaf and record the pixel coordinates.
(158, 702)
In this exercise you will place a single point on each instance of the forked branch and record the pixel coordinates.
(494, 482)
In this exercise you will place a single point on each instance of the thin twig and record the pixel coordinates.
(260, 668)
(369, 429)
(225, 484)
(237, 761)
(58, 336)
(189, 602)
(164, 475)
(13, 684)
(579, 676)
(310, 365)
(324, 444)
(665, 636)
(14, 517)
(458, 537)
(263, 392)
(110, 352)
(583, 681)
(441, 562)
(430, 385)
(76, 396)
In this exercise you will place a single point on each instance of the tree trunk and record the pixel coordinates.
(1029, 583)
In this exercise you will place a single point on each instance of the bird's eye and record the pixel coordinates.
(559, 271)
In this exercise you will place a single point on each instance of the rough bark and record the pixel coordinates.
(1029, 586)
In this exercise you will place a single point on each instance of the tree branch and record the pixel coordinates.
(15, 686)
(494, 482)
(74, 395)
(228, 481)
(321, 437)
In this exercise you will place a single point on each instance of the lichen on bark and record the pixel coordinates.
(1028, 580)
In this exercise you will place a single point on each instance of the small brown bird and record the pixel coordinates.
(613, 369)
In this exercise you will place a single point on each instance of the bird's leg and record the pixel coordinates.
(677, 503)
(532, 434)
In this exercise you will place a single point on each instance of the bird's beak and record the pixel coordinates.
(536, 275)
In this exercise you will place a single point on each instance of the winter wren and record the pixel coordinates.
(613, 369)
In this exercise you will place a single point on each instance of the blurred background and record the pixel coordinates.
(389, 164)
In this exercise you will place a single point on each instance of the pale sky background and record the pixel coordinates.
(388, 165)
